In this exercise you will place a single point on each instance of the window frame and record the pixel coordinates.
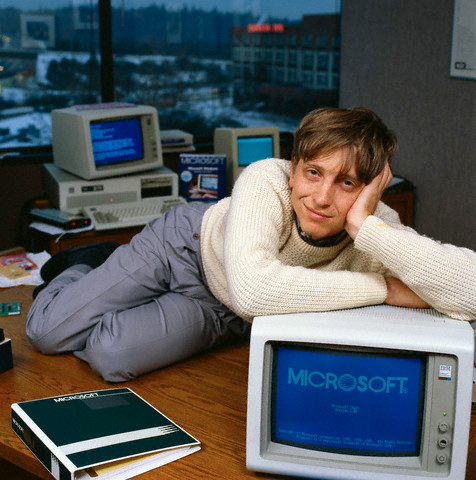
(42, 153)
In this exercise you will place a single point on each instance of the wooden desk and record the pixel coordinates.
(206, 395)
(53, 244)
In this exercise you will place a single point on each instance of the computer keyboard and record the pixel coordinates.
(129, 214)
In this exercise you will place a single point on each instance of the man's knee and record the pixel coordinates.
(40, 344)
(112, 366)
(46, 342)
(36, 333)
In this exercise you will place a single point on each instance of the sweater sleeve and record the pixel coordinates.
(258, 224)
(441, 274)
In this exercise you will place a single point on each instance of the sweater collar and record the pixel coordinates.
(323, 242)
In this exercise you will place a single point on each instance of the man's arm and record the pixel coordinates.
(397, 292)
(420, 271)
(402, 296)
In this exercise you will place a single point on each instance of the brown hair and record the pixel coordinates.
(358, 130)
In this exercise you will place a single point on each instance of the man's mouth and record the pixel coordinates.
(317, 215)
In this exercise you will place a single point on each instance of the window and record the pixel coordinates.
(292, 75)
(322, 41)
(306, 40)
(308, 59)
(292, 57)
(308, 79)
(292, 40)
(202, 66)
(322, 80)
(49, 58)
(268, 55)
(323, 61)
(336, 63)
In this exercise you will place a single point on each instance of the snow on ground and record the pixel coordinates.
(33, 129)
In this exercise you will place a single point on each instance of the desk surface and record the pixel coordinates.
(206, 395)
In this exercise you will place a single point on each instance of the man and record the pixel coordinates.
(306, 235)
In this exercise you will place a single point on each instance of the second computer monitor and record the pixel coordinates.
(243, 146)
(106, 140)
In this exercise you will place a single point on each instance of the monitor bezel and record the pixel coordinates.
(445, 341)
(72, 142)
(226, 143)
(274, 451)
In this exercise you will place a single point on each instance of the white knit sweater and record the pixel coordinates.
(256, 263)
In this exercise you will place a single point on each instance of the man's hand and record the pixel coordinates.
(400, 295)
(367, 201)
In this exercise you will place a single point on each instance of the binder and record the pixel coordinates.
(102, 434)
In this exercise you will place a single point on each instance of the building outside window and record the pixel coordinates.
(308, 59)
(317, 83)
(306, 40)
(323, 61)
(292, 57)
(321, 41)
(292, 76)
(202, 64)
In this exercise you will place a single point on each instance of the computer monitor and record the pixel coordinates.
(106, 140)
(243, 146)
(375, 393)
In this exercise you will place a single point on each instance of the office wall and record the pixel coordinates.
(396, 61)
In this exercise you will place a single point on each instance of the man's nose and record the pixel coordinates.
(324, 194)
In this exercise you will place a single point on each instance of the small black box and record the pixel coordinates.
(6, 359)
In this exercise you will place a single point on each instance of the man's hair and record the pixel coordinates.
(358, 131)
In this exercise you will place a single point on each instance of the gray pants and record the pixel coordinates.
(146, 307)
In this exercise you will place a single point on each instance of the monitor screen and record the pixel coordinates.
(252, 149)
(208, 182)
(116, 141)
(339, 400)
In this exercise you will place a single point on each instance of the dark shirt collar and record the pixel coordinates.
(323, 242)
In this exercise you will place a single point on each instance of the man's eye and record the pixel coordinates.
(348, 184)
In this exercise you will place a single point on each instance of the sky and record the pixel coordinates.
(275, 8)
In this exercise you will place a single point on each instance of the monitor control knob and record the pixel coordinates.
(442, 442)
(441, 458)
(443, 427)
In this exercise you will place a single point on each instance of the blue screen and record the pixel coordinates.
(209, 182)
(348, 402)
(116, 141)
(252, 149)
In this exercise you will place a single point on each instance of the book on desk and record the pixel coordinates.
(103, 434)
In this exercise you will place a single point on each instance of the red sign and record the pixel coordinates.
(266, 28)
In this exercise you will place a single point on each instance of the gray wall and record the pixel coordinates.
(396, 61)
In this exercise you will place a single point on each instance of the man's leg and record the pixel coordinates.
(147, 306)
(172, 327)
(92, 255)
(67, 309)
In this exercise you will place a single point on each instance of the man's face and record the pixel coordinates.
(322, 194)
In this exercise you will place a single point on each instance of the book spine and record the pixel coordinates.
(39, 449)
